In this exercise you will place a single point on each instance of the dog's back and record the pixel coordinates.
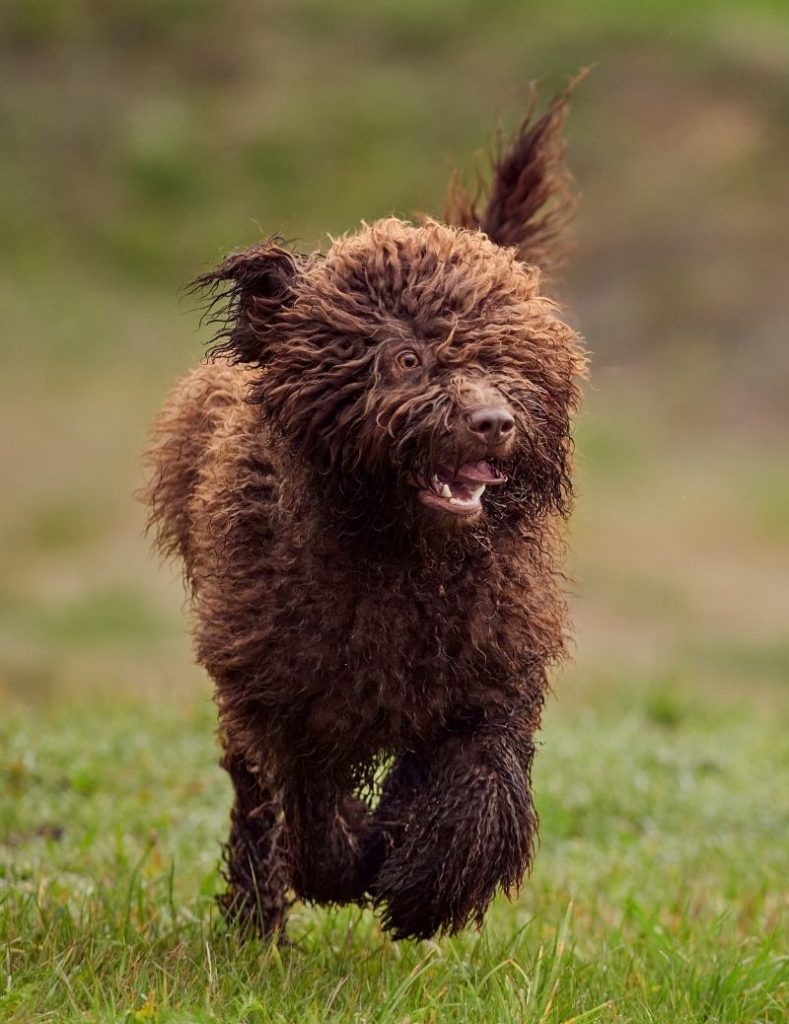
(202, 403)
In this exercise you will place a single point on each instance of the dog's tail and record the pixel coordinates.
(530, 201)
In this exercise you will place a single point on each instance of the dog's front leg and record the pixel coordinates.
(468, 830)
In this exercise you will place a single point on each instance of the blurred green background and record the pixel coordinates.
(141, 140)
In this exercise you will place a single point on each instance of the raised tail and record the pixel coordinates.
(529, 201)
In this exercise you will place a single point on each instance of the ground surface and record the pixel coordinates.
(656, 895)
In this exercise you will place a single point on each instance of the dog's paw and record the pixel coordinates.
(422, 891)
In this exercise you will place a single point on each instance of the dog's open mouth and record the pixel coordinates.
(458, 491)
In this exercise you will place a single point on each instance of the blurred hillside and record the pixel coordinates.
(142, 139)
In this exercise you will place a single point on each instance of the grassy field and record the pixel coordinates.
(143, 139)
(656, 895)
(659, 892)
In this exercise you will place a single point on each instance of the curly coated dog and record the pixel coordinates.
(365, 485)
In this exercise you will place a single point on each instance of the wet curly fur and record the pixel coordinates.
(378, 633)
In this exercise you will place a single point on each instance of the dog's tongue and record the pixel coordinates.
(478, 473)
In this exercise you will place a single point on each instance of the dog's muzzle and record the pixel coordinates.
(457, 491)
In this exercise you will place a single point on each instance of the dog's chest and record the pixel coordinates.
(381, 655)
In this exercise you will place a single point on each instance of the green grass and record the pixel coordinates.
(657, 893)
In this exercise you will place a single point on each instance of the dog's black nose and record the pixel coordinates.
(491, 424)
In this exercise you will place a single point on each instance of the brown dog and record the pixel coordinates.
(365, 487)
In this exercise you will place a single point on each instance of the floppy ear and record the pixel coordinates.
(529, 199)
(259, 286)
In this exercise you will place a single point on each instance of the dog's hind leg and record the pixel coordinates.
(257, 858)
(330, 833)
(406, 779)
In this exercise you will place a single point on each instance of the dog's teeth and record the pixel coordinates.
(446, 491)
(471, 500)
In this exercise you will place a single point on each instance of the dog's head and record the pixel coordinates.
(418, 369)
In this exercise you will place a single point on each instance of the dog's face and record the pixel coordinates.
(416, 367)
(417, 370)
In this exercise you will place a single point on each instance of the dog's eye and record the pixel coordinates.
(408, 359)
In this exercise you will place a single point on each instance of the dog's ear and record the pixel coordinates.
(530, 199)
(247, 292)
